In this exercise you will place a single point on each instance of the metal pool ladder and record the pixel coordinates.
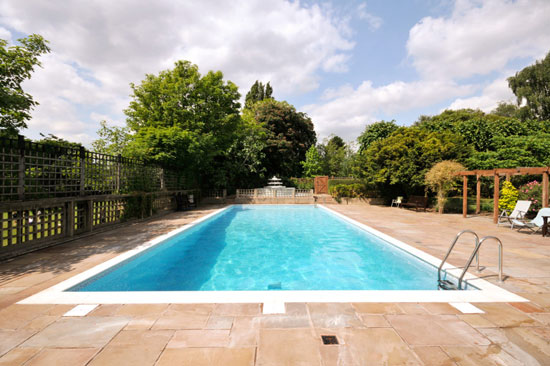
(447, 284)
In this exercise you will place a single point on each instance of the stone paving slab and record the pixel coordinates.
(239, 334)
(78, 332)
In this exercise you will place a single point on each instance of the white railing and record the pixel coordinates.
(274, 193)
(304, 192)
(214, 193)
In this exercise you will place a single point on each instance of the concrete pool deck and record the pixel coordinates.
(239, 334)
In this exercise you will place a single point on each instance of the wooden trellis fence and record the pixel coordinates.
(49, 192)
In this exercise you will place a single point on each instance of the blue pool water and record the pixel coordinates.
(275, 247)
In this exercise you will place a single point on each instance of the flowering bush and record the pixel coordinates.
(508, 197)
(532, 191)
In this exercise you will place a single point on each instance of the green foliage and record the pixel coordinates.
(530, 85)
(512, 152)
(375, 132)
(532, 191)
(442, 178)
(182, 119)
(399, 163)
(243, 164)
(16, 65)
(337, 157)
(138, 206)
(454, 205)
(508, 197)
(334, 182)
(302, 183)
(54, 141)
(257, 93)
(289, 135)
(112, 140)
(510, 110)
(312, 165)
(355, 190)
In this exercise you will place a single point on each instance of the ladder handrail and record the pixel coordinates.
(467, 231)
(476, 251)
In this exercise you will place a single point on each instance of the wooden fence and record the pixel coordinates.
(49, 193)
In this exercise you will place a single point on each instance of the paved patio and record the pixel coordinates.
(239, 334)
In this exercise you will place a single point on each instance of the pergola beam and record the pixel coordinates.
(496, 173)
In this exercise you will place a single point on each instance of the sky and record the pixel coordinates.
(345, 63)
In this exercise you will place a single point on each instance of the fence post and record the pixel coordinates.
(89, 215)
(82, 170)
(118, 171)
(69, 218)
(238, 193)
(21, 173)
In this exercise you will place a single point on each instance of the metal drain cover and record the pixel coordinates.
(329, 339)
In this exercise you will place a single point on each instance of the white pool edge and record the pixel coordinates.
(56, 294)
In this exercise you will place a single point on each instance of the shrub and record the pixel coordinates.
(532, 191)
(302, 183)
(508, 197)
(441, 178)
(355, 190)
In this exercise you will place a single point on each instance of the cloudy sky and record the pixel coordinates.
(346, 63)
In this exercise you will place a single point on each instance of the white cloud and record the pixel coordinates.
(99, 47)
(492, 94)
(373, 21)
(348, 110)
(479, 37)
(5, 35)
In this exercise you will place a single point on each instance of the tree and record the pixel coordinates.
(532, 86)
(185, 120)
(257, 93)
(112, 140)
(507, 110)
(442, 178)
(398, 164)
(16, 65)
(375, 132)
(312, 165)
(289, 135)
(335, 155)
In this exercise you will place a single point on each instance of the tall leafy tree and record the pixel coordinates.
(399, 163)
(532, 86)
(112, 140)
(313, 164)
(257, 93)
(374, 132)
(289, 135)
(183, 119)
(16, 65)
(335, 156)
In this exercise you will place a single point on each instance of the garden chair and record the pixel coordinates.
(397, 201)
(535, 224)
(517, 214)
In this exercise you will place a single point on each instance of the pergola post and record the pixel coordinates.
(496, 197)
(545, 189)
(465, 196)
(478, 194)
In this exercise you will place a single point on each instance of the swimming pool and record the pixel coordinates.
(269, 247)
(270, 285)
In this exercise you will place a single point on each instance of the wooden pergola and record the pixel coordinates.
(496, 174)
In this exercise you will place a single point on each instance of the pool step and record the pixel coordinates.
(447, 285)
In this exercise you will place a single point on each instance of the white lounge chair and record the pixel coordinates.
(535, 224)
(397, 201)
(517, 214)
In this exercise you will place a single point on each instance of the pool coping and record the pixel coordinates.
(56, 294)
